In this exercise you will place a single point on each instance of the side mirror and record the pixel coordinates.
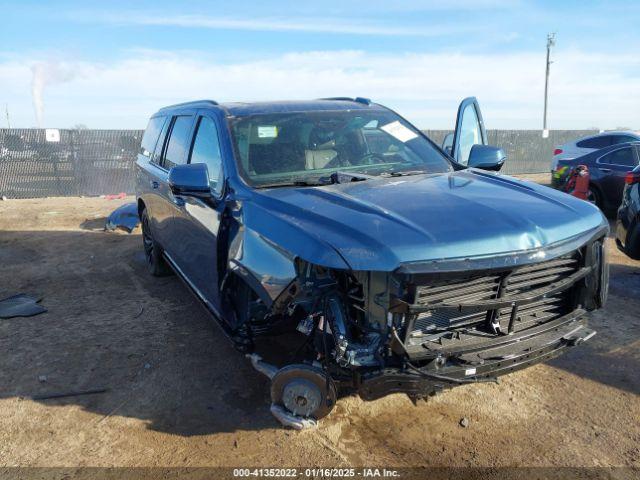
(486, 157)
(190, 180)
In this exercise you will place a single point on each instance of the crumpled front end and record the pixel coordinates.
(430, 326)
(468, 326)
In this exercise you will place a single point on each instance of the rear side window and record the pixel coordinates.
(595, 142)
(206, 149)
(178, 142)
(623, 157)
(151, 134)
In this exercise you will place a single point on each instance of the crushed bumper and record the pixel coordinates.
(477, 365)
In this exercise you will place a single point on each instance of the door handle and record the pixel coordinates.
(154, 184)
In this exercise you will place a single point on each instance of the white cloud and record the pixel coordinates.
(586, 90)
(316, 24)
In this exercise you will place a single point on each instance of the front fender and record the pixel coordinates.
(264, 246)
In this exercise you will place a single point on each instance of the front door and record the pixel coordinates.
(613, 168)
(469, 131)
(197, 221)
(175, 153)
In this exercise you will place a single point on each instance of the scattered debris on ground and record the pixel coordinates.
(114, 196)
(124, 217)
(20, 305)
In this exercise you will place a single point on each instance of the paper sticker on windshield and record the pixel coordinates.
(399, 131)
(267, 131)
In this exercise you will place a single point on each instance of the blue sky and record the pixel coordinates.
(111, 64)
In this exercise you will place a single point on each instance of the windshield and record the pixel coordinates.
(304, 147)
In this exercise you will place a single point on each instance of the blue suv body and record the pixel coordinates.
(394, 265)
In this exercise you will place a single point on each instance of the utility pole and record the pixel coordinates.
(6, 111)
(551, 41)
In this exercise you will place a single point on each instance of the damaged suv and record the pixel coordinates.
(387, 263)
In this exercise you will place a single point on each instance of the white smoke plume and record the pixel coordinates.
(44, 74)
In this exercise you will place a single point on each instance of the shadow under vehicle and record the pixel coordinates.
(391, 264)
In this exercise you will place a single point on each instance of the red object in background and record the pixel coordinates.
(116, 196)
(632, 177)
(578, 182)
(557, 151)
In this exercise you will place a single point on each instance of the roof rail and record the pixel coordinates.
(192, 103)
(364, 101)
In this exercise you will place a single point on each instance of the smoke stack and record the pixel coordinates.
(44, 74)
(37, 89)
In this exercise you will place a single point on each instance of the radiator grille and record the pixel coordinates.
(531, 278)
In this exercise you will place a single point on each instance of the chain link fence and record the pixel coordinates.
(100, 162)
(78, 163)
(527, 151)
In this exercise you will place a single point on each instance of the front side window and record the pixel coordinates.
(470, 134)
(178, 142)
(206, 149)
(623, 157)
(278, 149)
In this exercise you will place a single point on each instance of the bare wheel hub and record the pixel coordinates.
(301, 397)
(303, 390)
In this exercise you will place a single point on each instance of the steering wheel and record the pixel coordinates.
(368, 158)
(337, 162)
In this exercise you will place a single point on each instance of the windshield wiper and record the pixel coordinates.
(336, 177)
(405, 173)
(293, 183)
(343, 177)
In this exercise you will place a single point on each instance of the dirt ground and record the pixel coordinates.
(178, 394)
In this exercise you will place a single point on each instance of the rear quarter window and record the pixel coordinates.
(151, 135)
(595, 142)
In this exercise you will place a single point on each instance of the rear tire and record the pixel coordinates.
(594, 197)
(152, 250)
(632, 246)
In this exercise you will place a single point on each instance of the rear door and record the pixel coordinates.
(151, 177)
(174, 153)
(614, 167)
(469, 131)
(196, 220)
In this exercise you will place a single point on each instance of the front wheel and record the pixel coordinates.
(593, 197)
(152, 250)
(304, 390)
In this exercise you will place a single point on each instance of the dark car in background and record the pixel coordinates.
(585, 145)
(608, 168)
(628, 222)
(390, 265)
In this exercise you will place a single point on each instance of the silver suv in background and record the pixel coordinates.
(585, 145)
